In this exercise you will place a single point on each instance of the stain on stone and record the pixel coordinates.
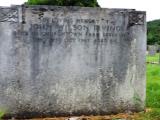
(43, 9)
(35, 55)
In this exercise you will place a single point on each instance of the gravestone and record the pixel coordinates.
(62, 61)
(152, 50)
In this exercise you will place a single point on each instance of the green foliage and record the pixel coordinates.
(153, 83)
(153, 32)
(153, 86)
(154, 114)
(153, 58)
(82, 3)
(153, 91)
(1, 113)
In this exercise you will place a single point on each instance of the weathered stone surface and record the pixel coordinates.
(60, 61)
(8, 14)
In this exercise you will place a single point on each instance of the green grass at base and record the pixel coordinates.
(153, 86)
(152, 115)
(154, 58)
(153, 90)
(1, 114)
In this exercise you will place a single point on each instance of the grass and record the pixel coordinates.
(154, 114)
(153, 90)
(153, 58)
(1, 114)
(153, 86)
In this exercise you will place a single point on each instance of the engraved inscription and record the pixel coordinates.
(82, 30)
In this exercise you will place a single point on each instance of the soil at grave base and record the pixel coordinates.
(132, 116)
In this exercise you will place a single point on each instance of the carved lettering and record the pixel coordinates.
(77, 30)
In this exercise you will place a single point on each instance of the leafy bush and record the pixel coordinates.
(82, 3)
(153, 32)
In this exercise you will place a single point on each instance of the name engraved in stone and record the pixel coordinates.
(82, 29)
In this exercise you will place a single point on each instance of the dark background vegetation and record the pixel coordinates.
(82, 3)
(153, 32)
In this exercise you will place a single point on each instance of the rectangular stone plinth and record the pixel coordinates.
(57, 61)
